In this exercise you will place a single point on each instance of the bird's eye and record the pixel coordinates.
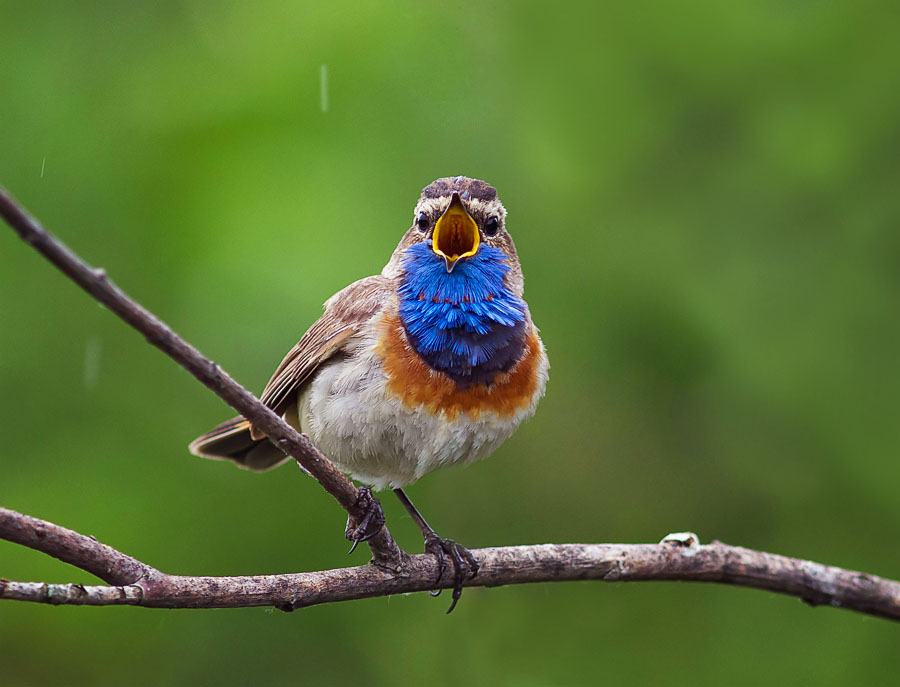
(492, 226)
(422, 222)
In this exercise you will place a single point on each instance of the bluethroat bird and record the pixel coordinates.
(433, 362)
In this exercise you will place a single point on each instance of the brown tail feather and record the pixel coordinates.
(232, 441)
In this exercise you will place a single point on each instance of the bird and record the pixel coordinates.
(434, 362)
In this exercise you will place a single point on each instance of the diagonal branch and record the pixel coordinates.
(677, 557)
(95, 281)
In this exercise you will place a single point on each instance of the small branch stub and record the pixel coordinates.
(687, 542)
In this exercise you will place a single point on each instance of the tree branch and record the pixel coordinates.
(94, 280)
(71, 547)
(677, 557)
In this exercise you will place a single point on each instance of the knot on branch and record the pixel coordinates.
(686, 542)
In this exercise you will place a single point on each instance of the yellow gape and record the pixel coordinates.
(455, 234)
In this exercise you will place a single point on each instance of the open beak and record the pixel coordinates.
(455, 234)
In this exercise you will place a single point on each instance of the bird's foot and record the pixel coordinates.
(371, 522)
(463, 562)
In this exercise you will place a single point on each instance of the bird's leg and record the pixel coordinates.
(371, 522)
(463, 560)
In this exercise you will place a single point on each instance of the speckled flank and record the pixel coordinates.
(416, 384)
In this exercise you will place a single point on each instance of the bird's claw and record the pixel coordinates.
(371, 522)
(463, 562)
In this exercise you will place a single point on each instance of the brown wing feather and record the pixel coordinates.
(345, 314)
(302, 360)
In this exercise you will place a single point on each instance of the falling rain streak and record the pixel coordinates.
(91, 363)
(323, 87)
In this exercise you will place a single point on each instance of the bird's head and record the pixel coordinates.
(456, 217)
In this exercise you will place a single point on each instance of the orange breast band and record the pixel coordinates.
(418, 384)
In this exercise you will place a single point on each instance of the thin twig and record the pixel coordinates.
(94, 280)
(677, 557)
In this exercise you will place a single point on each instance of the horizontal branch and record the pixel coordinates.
(677, 557)
(95, 281)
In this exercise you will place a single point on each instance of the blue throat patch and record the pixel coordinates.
(465, 323)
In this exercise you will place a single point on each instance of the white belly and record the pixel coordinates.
(348, 413)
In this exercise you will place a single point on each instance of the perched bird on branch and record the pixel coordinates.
(433, 362)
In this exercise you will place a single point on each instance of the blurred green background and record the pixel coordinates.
(705, 200)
